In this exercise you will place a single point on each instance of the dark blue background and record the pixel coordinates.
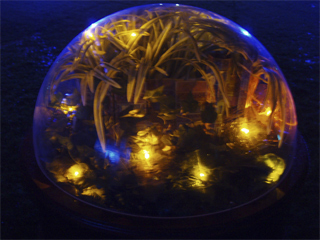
(34, 33)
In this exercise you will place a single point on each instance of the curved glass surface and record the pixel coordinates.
(167, 111)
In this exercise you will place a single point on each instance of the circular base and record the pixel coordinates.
(256, 219)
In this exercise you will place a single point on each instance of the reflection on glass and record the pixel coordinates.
(165, 110)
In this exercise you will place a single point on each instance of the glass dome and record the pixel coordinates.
(167, 111)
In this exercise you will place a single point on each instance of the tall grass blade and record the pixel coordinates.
(159, 42)
(83, 90)
(141, 77)
(220, 81)
(90, 80)
(101, 92)
(105, 78)
(131, 83)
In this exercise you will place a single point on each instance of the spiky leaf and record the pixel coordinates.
(100, 94)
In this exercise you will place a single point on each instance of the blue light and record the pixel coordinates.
(113, 156)
(112, 152)
(278, 136)
(245, 32)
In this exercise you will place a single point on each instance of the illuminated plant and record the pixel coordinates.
(128, 49)
(161, 105)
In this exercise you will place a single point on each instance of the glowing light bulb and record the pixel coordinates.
(76, 172)
(71, 109)
(245, 130)
(202, 175)
(146, 154)
(133, 34)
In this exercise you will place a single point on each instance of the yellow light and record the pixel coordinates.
(71, 109)
(90, 35)
(67, 109)
(245, 130)
(267, 112)
(277, 165)
(146, 154)
(76, 172)
(133, 34)
(277, 170)
(200, 170)
(94, 191)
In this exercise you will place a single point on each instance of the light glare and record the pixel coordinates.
(245, 130)
(93, 25)
(245, 32)
(146, 154)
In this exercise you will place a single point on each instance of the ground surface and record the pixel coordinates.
(34, 33)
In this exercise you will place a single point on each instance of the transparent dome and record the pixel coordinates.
(165, 110)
